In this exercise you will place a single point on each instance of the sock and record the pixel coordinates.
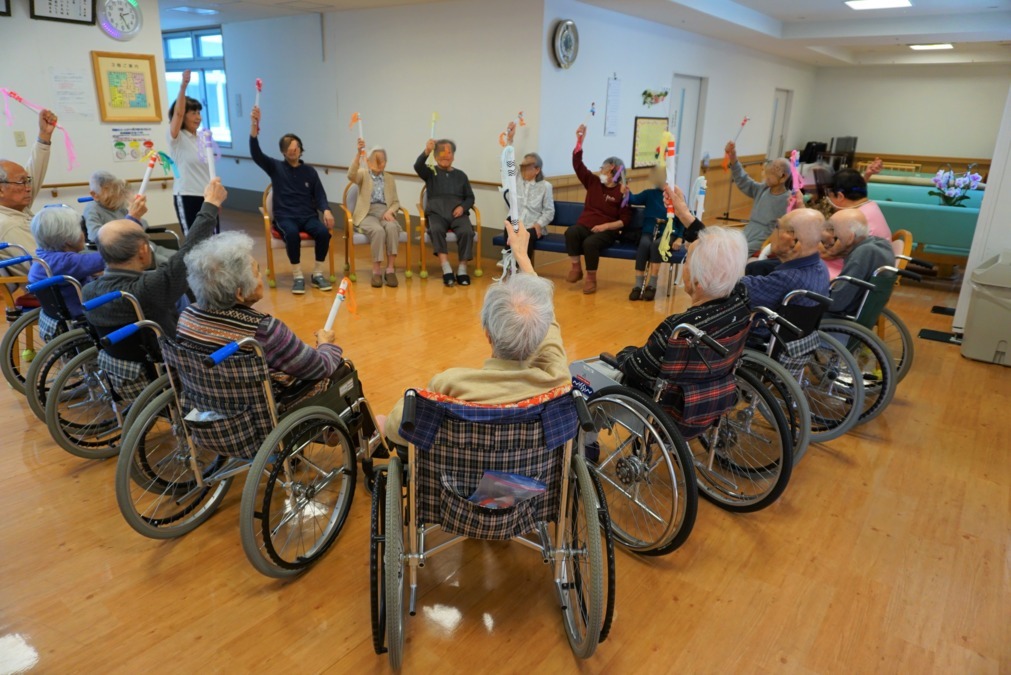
(390, 269)
(447, 268)
(638, 279)
(296, 271)
(462, 269)
(319, 267)
(652, 280)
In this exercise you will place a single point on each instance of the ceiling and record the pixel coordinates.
(818, 32)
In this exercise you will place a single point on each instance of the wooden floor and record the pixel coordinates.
(889, 551)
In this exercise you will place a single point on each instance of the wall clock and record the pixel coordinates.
(120, 19)
(565, 45)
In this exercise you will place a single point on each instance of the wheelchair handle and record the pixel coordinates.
(714, 345)
(43, 284)
(410, 403)
(823, 300)
(81, 200)
(926, 264)
(610, 359)
(853, 280)
(7, 244)
(10, 262)
(701, 336)
(775, 318)
(221, 354)
(120, 334)
(583, 411)
(101, 300)
(910, 275)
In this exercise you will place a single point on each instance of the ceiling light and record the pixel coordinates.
(946, 45)
(878, 4)
(203, 11)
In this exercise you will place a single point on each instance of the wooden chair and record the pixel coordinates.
(273, 238)
(359, 238)
(423, 236)
(902, 244)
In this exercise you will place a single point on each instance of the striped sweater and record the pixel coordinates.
(208, 329)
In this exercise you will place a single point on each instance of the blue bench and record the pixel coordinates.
(941, 234)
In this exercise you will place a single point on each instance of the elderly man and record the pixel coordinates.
(849, 238)
(527, 355)
(795, 241)
(127, 253)
(771, 196)
(18, 188)
(450, 199)
(299, 197)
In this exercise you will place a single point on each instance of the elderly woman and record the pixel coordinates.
(527, 354)
(376, 211)
(57, 231)
(603, 215)
(771, 196)
(225, 278)
(849, 191)
(535, 196)
(713, 268)
(112, 201)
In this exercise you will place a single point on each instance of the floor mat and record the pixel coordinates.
(939, 336)
(941, 309)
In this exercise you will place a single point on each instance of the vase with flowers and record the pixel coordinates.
(951, 188)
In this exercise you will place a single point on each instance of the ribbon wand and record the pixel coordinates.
(586, 121)
(435, 118)
(208, 146)
(357, 119)
(341, 296)
(726, 156)
(152, 159)
(796, 200)
(669, 158)
(256, 103)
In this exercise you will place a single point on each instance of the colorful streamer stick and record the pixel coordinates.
(152, 159)
(342, 295)
(504, 138)
(698, 203)
(256, 103)
(35, 107)
(586, 121)
(796, 200)
(726, 156)
(668, 159)
(208, 150)
(431, 134)
(356, 118)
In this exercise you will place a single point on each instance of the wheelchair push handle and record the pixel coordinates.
(610, 359)
(221, 354)
(773, 318)
(583, 411)
(856, 282)
(94, 303)
(10, 262)
(37, 286)
(120, 334)
(822, 300)
(714, 345)
(410, 404)
(702, 337)
(7, 244)
(910, 275)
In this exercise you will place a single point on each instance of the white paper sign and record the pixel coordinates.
(73, 92)
(611, 107)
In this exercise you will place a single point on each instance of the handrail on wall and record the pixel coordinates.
(55, 187)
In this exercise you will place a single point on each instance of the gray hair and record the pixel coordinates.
(718, 260)
(122, 248)
(103, 179)
(538, 164)
(444, 141)
(220, 266)
(616, 163)
(517, 314)
(379, 148)
(56, 227)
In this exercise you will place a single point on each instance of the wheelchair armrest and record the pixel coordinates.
(610, 359)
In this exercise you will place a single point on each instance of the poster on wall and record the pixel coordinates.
(611, 106)
(646, 141)
(71, 93)
(69, 11)
(127, 87)
(131, 144)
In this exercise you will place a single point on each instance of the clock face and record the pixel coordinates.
(120, 19)
(566, 43)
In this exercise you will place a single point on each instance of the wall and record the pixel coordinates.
(951, 110)
(31, 49)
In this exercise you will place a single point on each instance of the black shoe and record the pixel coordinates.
(448, 279)
(636, 293)
(649, 293)
(463, 279)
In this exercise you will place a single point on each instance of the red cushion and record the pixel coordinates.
(26, 301)
(276, 233)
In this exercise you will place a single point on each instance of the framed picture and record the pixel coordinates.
(127, 86)
(646, 141)
(70, 11)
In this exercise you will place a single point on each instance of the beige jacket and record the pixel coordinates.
(15, 226)
(361, 176)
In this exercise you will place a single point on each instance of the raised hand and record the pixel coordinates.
(47, 124)
(138, 207)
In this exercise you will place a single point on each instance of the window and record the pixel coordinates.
(201, 52)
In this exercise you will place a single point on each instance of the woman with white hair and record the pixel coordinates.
(112, 201)
(376, 211)
(60, 240)
(225, 279)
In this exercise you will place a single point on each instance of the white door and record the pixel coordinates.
(685, 125)
(780, 121)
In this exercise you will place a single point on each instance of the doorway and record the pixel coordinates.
(780, 122)
(686, 126)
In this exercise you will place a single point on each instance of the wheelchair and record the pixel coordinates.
(22, 340)
(218, 419)
(451, 445)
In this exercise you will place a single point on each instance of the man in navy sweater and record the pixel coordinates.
(299, 197)
(795, 239)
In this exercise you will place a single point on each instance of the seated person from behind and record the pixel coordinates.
(299, 198)
(654, 220)
(127, 254)
(863, 254)
(112, 202)
(771, 196)
(449, 201)
(376, 211)
(795, 242)
(225, 278)
(713, 268)
(849, 191)
(527, 354)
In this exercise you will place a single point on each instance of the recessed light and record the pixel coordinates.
(924, 48)
(203, 11)
(878, 4)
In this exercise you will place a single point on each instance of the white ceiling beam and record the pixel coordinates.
(732, 12)
(993, 26)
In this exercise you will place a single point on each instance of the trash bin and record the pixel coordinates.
(987, 334)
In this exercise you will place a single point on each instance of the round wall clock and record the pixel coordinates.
(565, 43)
(120, 19)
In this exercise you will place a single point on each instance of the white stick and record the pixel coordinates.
(361, 134)
(257, 103)
(147, 177)
(337, 302)
(209, 155)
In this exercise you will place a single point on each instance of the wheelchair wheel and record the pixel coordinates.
(156, 488)
(743, 462)
(377, 580)
(298, 492)
(646, 470)
(393, 563)
(893, 332)
(582, 569)
(18, 348)
(833, 389)
(47, 364)
(792, 401)
(80, 409)
(157, 386)
(605, 528)
(874, 360)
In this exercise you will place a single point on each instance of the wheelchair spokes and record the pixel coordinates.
(581, 583)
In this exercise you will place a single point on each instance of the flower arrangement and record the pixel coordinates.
(651, 98)
(951, 189)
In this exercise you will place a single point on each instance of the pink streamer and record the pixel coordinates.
(796, 201)
(67, 143)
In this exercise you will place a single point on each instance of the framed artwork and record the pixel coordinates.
(69, 11)
(5, 7)
(646, 140)
(127, 86)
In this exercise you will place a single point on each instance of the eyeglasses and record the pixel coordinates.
(26, 181)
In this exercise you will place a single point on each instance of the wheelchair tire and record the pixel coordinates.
(19, 346)
(893, 332)
(377, 570)
(875, 361)
(630, 472)
(834, 391)
(80, 411)
(298, 492)
(605, 528)
(781, 384)
(156, 489)
(157, 386)
(582, 578)
(765, 466)
(47, 365)
(393, 563)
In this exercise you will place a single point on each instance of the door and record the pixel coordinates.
(780, 120)
(685, 126)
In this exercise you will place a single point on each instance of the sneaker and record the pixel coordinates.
(448, 279)
(391, 279)
(463, 279)
(298, 288)
(377, 281)
(635, 294)
(649, 293)
(321, 282)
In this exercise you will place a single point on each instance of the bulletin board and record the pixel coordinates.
(648, 133)
(127, 87)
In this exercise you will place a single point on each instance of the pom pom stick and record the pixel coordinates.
(726, 157)
(504, 138)
(208, 149)
(669, 159)
(796, 200)
(256, 103)
(431, 134)
(34, 107)
(586, 120)
(152, 159)
(357, 119)
(339, 299)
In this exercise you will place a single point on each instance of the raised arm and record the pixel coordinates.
(38, 163)
(179, 112)
(355, 170)
(425, 172)
(262, 161)
(582, 173)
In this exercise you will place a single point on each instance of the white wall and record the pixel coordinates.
(30, 49)
(646, 55)
(951, 110)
